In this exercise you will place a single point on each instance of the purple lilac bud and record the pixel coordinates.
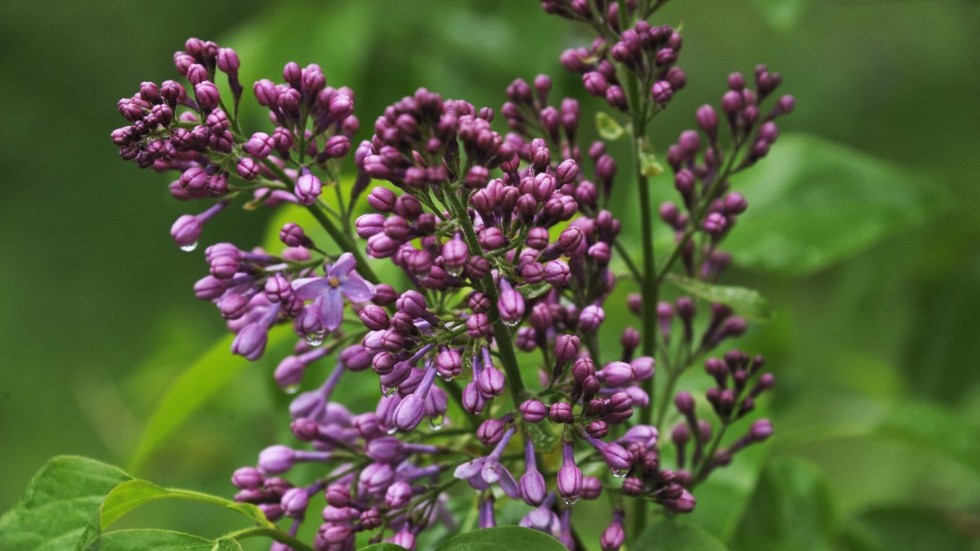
(569, 476)
(613, 536)
(308, 187)
(533, 411)
(533, 488)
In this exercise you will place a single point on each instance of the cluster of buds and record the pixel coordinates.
(506, 245)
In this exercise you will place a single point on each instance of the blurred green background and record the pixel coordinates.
(865, 238)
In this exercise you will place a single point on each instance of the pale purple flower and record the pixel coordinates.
(341, 281)
(484, 471)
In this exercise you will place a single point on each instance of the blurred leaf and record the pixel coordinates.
(675, 535)
(747, 303)
(60, 502)
(905, 529)
(814, 203)
(607, 127)
(382, 547)
(792, 509)
(782, 15)
(505, 538)
(134, 493)
(138, 540)
(192, 389)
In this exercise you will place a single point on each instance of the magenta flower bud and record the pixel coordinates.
(292, 235)
(491, 381)
(491, 431)
(336, 147)
(368, 225)
(644, 366)
(247, 478)
(473, 400)
(715, 224)
(207, 95)
(569, 477)
(708, 119)
(374, 317)
(276, 459)
(618, 458)
(187, 230)
(591, 487)
(533, 411)
(308, 187)
(616, 97)
(566, 348)
(294, 502)
(382, 199)
(591, 317)
(633, 486)
(511, 305)
(683, 504)
(409, 412)
(561, 412)
(761, 430)
(597, 429)
(228, 61)
(398, 495)
(613, 536)
(454, 256)
(685, 403)
(595, 83)
(478, 326)
(449, 363)
(375, 479)
(662, 91)
(731, 102)
(617, 374)
(491, 238)
(477, 267)
(557, 273)
(338, 495)
(250, 341)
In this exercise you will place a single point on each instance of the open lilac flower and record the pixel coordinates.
(341, 280)
(484, 471)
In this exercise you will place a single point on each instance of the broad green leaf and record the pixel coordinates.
(747, 303)
(792, 509)
(60, 501)
(382, 547)
(505, 538)
(782, 15)
(906, 528)
(192, 389)
(133, 493)
(158, 540)
(607, 127)
(677, 535)
(813, 203)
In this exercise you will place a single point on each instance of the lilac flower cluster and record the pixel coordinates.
(506, 244)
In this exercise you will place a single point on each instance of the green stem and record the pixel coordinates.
(343, 241)
(272, 533)
(501, 333)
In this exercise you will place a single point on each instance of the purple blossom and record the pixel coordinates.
(341, 280)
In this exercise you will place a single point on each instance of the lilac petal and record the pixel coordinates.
(357, 289)
(507, 482)
(491, 471)
(343, 266)
(477, 483)
(470, 468)
(332, 309)
(310, 287)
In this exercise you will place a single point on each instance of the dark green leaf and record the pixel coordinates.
(382, 547)
(747, 303)
(192, 389)
(676, 535)
(60, 501)
(906, 529)
(133, 493)
(607, 127)
(813, 203)
(505, 538)
(158, 540)
(791, 509)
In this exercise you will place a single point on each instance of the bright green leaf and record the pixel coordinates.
(192, 389)
(747, 303)
(382, 547)
(158, 540)
(791, 509)
(813, 203)
(59, 503)
(782, 15)
(505, 538)
(607, 127)
(675, 535)
(133, 493)
(907, 528)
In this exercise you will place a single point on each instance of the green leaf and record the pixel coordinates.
(747, 303)
(907, 528)
(607, 127)
(158, 540)
(59, 504)
(791, 509)
(813, 203)
(382, 547)
(133, 493)
(192, 389)
(676, 535)
(505, 538)
(782, 15)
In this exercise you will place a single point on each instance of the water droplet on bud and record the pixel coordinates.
(189, 247)
(315, 338)
(437, 421)
(389, 391)
(569, 501)
(619, 473)
(513, 323)
(291, 389)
